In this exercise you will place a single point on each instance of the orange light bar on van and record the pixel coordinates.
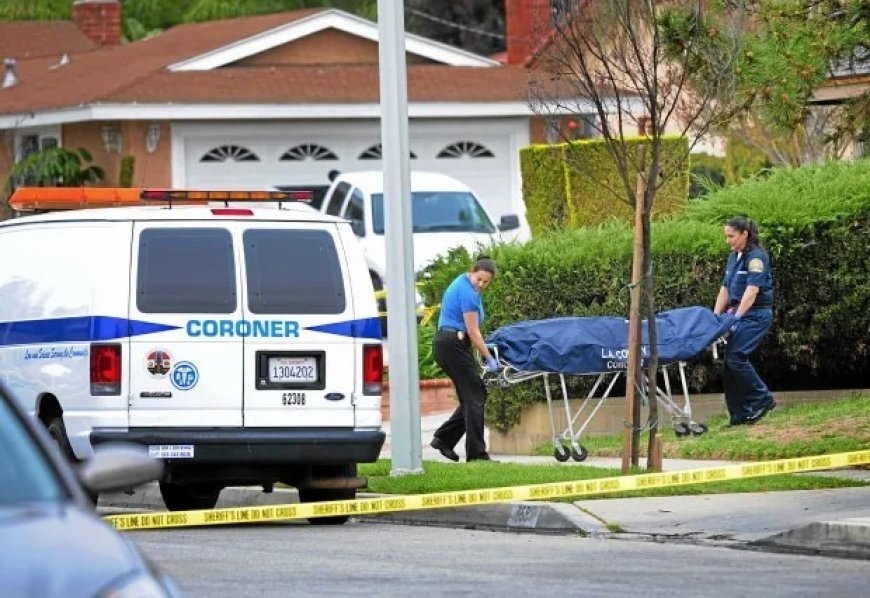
(235, 196)
(72, 198)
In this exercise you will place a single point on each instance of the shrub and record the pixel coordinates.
(815, 222)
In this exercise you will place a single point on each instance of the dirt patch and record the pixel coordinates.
(848, 427)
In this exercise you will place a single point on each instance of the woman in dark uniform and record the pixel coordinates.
(747, 295)
(459, 331)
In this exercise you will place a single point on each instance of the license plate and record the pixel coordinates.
(170, 451)
(293, 369)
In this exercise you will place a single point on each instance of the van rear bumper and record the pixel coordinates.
(257, 445)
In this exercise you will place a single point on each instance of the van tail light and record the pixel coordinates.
(373, 369)
(105, 369)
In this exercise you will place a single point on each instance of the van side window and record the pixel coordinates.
(354, 211)
(186, 270)
(337, 199)
(293, 272)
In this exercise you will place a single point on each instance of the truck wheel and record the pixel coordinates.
(182, 497)
(329, 494)
(324, 495)
(57, 432)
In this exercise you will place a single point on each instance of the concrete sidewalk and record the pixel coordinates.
(833, 522)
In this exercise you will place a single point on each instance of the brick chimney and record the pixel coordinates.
(527, 23)
(100, 20)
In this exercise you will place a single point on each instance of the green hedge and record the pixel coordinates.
(576, 184)
(815, 222)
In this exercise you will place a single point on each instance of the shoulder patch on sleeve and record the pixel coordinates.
(755, 265)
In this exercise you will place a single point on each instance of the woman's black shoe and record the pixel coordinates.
(755, 417)
(444, 449)
(481, 457)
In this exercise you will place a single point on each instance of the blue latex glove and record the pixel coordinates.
(491, 364)
(736, 319)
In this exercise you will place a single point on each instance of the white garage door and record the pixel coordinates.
(265, 155)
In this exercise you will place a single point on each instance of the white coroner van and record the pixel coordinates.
(239, 343)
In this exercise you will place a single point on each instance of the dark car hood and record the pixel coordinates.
(59, 549)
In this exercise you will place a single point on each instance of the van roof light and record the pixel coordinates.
(188, 195)
(26, 199)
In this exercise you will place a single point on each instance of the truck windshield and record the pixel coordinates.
(438, 211)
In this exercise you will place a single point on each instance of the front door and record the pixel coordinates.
(185, 279)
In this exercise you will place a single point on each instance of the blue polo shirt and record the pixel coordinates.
(752, 267)
(459, 298)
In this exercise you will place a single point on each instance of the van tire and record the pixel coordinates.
(329, 494)
(57, 432)
(322, 495)
(184, 497)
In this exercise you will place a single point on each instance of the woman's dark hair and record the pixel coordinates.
(485, 263)
(744, 224)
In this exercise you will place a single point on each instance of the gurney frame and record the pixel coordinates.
(566, 445)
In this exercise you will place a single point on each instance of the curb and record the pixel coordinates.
(846, 538)
(527, 516)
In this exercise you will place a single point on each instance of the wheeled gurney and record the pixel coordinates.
(598, 346)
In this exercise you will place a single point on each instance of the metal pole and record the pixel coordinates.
(407, 456)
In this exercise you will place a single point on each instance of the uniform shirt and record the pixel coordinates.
(751, 267)
(459, 298)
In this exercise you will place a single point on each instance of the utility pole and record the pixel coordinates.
(407, 451)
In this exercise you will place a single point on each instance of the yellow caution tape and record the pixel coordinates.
(387, 504)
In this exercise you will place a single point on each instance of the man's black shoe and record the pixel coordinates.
(484, 456)
(445, 450)
(756, 417)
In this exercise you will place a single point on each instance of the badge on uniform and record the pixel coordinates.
(755, 265)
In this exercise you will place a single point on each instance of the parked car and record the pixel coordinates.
(445, 214)
(51, 541)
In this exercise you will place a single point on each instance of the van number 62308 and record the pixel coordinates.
(293, 398)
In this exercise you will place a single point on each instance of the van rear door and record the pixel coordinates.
(186, 276)
(301, 356)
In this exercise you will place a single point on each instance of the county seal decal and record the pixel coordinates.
(184, 375)
(755, 265)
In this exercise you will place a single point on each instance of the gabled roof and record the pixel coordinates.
(24, 40)
(317, 21)
(170, 69)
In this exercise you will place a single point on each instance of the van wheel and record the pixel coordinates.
(183, 497)
(329, 494)
(324, 495)
(57, 433)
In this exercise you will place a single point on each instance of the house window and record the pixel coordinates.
(586, 126)
(306, 151)
(375, 152)
(29, 145)
(223, 153)
(552, 130)
(462, 149)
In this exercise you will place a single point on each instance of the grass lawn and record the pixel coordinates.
(799, 431)
(832, 427)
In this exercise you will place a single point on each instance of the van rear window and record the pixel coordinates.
(293, 271)
(186, 270)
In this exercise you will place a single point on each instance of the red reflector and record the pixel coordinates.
(301, 195)
(105, 369)
(373, 369)
(232, 212)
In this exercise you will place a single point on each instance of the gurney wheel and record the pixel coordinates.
(681, 429)
(579, 455)
(561, 453)
(697, 429)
